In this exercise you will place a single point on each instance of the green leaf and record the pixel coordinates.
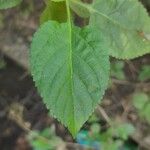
(95, 128)
(126, 25)
(4, 4)
(43, 140)
(124, 130)
(145, 73)
(3, 64)
(58, 0)
(79, 10)
(146, 111)
(54, 11)
(70, 67)
(111, 144)
(139, 100)
(120, 130)
(117, 70)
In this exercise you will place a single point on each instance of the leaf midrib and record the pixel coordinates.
(70, 59)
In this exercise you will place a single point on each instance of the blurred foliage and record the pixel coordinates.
(50, 10)
(1, 20)
(2, 63)
(27, 8)
(144, 73)
(141, 101)
(4, 4)
(128, 145)
(93, 118)
(117, 70)
(112, 139)
(44, 140)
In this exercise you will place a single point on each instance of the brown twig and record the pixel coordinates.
(104, 115)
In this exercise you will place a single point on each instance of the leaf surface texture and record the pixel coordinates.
(71, 74)
(126, 25)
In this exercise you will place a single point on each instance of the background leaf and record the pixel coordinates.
(4, 4)
(125, 23)
(54, 11)
(141, 101)
(144, 73)
(117, 70)
(79, 10)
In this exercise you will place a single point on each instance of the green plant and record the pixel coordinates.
(115, 136)
(144, 73)
(44, 140)
(2, 63)
(8, 3)
(112, 139)
(117, 70)
(141, 102)
(70, 65)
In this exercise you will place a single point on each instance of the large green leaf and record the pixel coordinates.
(126, 25)
(8, 3)
(70, 67)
